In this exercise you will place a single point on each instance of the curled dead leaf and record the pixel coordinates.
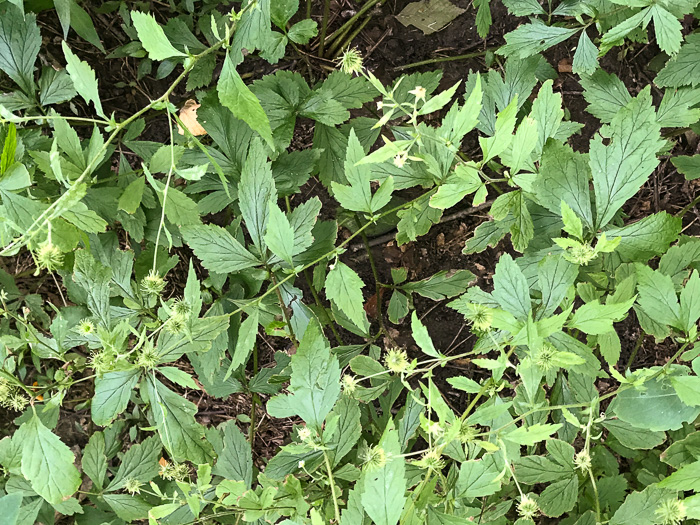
(188, 116)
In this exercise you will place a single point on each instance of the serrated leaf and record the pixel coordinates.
(94, 462)
(83, 78)
(218, 250)
(621, 167)
(19, 45)
(279, 234)
(639, 508)
(235, 461)
(315, 381)
(586, 56)
(255, 190)
(532, 434)
(383, 488)
(303, 31)
(112, 393)
(595, 318)
(173, 416)
(140, 463)
(646, 238)
(535, 37)
(245, 342)
(153, 37)
(657, 296)
(668, 30)
(684, 68)
(477, 478)
(510, 288)
(47, 462)
(605, 93)
(422, 338)
(237, 97)
(344, 288)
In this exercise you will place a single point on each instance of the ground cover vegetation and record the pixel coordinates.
(257, 269)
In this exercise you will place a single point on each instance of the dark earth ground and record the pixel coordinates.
(387, 46)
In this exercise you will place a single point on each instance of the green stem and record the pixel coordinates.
(377, 282)
(323, 309)
(324, 26)
(689, 207)
(637, 345)
(329, 470)
(348, 25)
(345, 42)
(284, 308)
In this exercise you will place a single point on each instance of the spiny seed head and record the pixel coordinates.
(432, 460)
(349, 384)
(85, 327)
(153, 283)
(582, 460)
(396, 360)
(173, 471)
(671, 512)
(102, 361)
(48, 256)
(467, 432)
(544, 357)
(350, 61)
(527, 508)
(148, 357)
(15, 400)
(175, 324)
(374, 458)
(481, 316)
(133, 486)
(180, 308)
(582, 254)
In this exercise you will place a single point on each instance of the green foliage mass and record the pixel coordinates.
(174, 263)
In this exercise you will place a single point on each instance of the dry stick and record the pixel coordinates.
(445, 59)
(448, 218)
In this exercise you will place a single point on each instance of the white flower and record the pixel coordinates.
(419, 92)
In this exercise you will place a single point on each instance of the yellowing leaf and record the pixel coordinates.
(188, 116)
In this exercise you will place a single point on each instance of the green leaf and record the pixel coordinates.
(554, 275)
(398, 307)
(153, 37)
(595, 318)
(503, 135)
(247, 333)
(564, 176)
(9, 507)
(416, 220)
(19, 45)
(465, 384)
(55, 87)
(586, 56)
(631, 437)
(524, 7)
(140, 463)
(657, 296)
(684, 68)
(315, 381)
(348, 430)
(200, 337)
(559, 497)
(237, 97)
(83, 78)
(605, 93)
(235, 461)
(647, 238)
(675, 108)
(173, 416)
(688, 389)
(668, 30)
(94, 278)
(438, 101)
(532, 434)
(690, 303)
(422, 338)
(442, 285)
(279, 234)
(255, 190)
(478, 478)
(535, 37)
(688, 166)
(656, 407)
(94, 461)
(510, 288)
(47, 462)
(82, 24)
(303, 31)
(128, 507)
(621, 167)
(130, 200)
(344, 288)
(112, 393)
(685, 478)
(616, 35)
(218, 250)
(639, 508)
(384, 487)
